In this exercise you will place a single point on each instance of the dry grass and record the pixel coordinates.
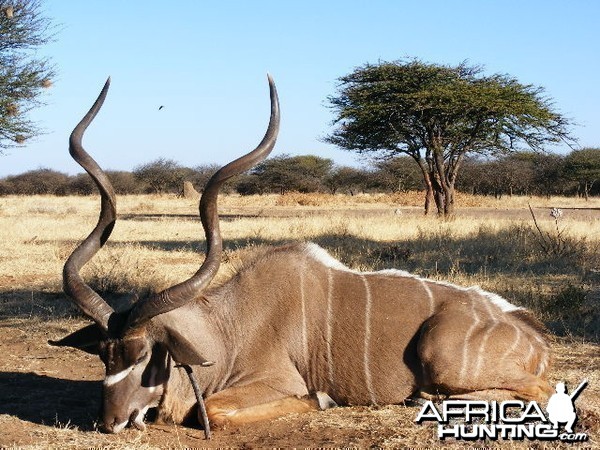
(158, 241)
(497, 248)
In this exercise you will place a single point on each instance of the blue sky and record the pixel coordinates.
(206, 62)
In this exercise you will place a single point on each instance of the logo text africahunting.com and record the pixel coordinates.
(513, 419)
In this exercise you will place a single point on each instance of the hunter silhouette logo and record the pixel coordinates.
(561, 406)
(512, 419)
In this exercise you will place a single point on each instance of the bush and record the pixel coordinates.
(36, 182)
(125, 183)
(161, 176)
(574, 312)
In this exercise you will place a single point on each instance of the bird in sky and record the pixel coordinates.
(161, 107)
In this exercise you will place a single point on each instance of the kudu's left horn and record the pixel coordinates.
(84, 296)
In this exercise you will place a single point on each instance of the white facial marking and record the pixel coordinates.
(114, 379)
(120, 427)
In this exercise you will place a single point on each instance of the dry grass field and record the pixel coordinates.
(49, 397)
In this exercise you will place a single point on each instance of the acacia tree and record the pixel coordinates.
(23, 75)
(437, 114)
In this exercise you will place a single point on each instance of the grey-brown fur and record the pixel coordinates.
(258, 319)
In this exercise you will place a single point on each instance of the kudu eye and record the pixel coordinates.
(141, 358)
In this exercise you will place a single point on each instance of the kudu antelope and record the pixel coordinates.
(294, 329)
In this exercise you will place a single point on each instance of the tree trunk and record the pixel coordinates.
(429, 199)
(439, 201)
(439, 184)
(429, 191)
(444, 200)
(586, 191)
(449, 201)
(439, 195)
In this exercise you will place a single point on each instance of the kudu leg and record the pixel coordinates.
(238, 405)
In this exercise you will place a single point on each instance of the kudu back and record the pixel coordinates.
(294, 329)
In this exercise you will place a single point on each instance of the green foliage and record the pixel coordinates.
(399, 174)
(23, 75)
(34, 182)
(162, 175)
(523, 173)
(123, 183)
(347, 179)
(511, 174)
(287, 173)
(407, 106)
(583, 166)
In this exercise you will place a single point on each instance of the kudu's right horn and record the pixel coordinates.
(178, 295)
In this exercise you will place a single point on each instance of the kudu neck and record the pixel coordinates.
(199, 326)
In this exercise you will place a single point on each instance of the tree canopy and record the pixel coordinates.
(283, 173)
(161, 175)
(437, 114)
(583, 166)
(23, 75)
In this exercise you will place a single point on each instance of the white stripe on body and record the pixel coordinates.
(329, 326)
(366, 358)
(515, 343)
(304, 319)
(429, 297)
(464, 362)
(486, 336)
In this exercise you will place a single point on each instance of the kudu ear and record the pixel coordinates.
(86, 339)
(182, 351)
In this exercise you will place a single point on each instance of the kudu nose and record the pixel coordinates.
(114, 424)
(107, 427)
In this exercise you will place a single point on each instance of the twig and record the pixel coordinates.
(201, 405)
(545, 246)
